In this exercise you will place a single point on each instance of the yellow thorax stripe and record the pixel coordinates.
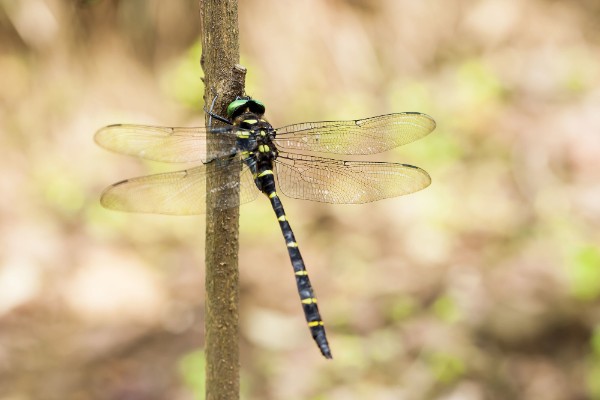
(265, 172)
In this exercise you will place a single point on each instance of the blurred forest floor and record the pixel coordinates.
(484, 286)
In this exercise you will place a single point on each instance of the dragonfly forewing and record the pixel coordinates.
(362, 136)
(177, 145)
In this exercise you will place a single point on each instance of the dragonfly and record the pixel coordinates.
(268, 159)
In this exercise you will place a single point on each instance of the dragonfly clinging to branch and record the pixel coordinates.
(268, 159)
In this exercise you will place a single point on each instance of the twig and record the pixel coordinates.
(222, 77)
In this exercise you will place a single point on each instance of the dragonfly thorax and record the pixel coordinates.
(261, 134)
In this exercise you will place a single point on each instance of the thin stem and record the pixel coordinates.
(222, 77)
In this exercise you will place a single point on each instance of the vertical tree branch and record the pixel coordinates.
(220, 55)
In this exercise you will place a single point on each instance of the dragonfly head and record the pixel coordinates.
(241, 104)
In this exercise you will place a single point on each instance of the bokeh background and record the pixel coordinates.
(486, 285)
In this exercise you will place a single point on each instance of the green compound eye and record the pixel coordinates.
(256, 106)
(237, 106)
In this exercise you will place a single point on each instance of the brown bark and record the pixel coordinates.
(220, 55)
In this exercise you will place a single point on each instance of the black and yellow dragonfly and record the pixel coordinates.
(269, 158)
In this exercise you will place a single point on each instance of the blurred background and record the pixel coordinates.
(486, 285)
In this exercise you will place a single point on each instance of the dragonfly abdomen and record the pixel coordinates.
(308, 299)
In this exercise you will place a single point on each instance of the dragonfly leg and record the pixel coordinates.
(212, 115)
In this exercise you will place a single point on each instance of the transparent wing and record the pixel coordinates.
(361, 136)
(178, 193)
(348, 182)
(167, 144)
